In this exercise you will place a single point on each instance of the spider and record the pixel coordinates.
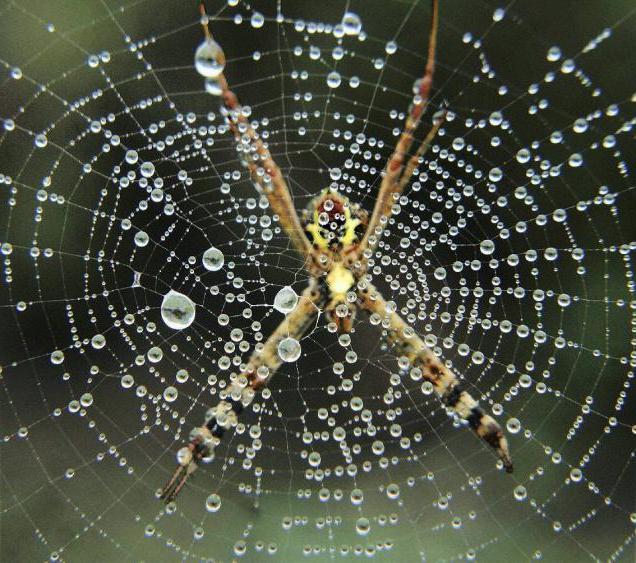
(336, 238)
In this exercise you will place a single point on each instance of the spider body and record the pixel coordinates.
(336, 240)
(335, 227)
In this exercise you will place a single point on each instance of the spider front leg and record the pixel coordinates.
(264, 171)
(396, 175)
(261, 367)
(448, 387)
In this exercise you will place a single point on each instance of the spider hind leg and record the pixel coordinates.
(174, 485)
(488, 430)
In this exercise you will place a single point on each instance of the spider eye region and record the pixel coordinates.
(331, 222)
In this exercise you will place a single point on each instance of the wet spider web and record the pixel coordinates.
(510, 252)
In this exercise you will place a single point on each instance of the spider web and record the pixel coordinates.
(511, 254)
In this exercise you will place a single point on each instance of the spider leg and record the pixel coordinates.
(448, 387)
(263, 364)
(415, 159)
(167, 493)
(394, 178)
(261, 367)
(264, 171)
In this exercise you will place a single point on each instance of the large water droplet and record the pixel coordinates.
(286, 300)
(213, 259)
(289, 349)
(209, 60)
(177, 310)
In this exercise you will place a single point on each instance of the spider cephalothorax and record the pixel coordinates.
(333, 223)
(336, 240)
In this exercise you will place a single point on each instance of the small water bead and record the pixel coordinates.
(440, 273)
(147, 169)
(213, 259)
(213, 86)
(335, 174)
(141, 239)
(314, 459)
(554, 54)
(289, 349)
(333, 79)
(240, 548)
(523, 156)
(576, 475)
(525, 381)
(390, 48)
(86, 400)
(127, 381)
(498, 15)
(98, 341)
(487, 247)
(41, 141)
(575, 160)
(213, 503)
(495, 118)
(170, 394)
(351, 23)
(495, 175)
(458, 143)
(393, 491)
(16, 73)
(580, 125)
(568, 66)
(363, 526)
(286, 300)
(209, 60)
(155, 354)
(520, 493)
(257, 20)
(513, 425)
(57, 357)
(131, 156)
(177, 310)
(182, 376)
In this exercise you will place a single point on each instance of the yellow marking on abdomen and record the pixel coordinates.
(339, 280)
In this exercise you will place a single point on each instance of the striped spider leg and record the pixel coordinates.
(261, 367)
(264, 172)
(408, 344)
(396, 174)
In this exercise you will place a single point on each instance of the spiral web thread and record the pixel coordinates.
(510, 252)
